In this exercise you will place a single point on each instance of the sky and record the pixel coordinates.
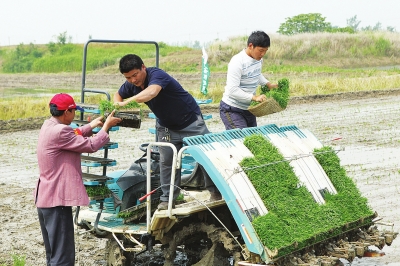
(173, 21)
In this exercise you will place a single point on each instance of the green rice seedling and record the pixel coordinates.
(106, 106)
(281, 94)
(138, 211)
(294, 219)
(98, 191)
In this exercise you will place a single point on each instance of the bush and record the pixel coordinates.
(22, 58)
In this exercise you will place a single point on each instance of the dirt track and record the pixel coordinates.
(368, 126)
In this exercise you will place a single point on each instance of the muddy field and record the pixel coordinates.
(367, 126)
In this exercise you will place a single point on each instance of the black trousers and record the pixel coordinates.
(58, 235)
(233, 117)
(175, 137)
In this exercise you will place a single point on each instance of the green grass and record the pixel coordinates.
(315, 64)
(318, 52)
(18, 260)
(331, 49)
(68, 58)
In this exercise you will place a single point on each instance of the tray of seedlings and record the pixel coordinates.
(277, 99)
(98, 192)
(130, 113)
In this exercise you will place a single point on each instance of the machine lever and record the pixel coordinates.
(148, 194)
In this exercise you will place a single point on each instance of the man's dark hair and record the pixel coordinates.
(259, 39)
(54, 111)
(130, 62)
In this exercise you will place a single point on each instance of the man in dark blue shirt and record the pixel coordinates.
(178, 115)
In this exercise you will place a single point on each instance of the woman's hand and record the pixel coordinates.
(111, 121)
(98, 122)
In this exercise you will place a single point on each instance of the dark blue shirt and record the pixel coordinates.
(174, 107)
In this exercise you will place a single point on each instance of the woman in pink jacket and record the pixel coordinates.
(60, 184)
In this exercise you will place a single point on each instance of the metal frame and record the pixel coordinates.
(84, 60)
(175, 166)
(84, 89)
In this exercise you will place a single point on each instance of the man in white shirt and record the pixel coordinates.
(243, 77)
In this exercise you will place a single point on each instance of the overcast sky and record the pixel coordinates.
(173, 21)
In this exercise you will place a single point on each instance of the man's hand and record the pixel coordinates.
(272, 86)
(260, 98)
(121, 103)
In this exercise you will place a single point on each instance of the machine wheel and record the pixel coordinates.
(115, 255)
(203, 244)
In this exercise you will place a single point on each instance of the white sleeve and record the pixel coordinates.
(262, 80)
(233, 82)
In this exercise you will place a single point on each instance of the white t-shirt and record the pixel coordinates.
(243, 78)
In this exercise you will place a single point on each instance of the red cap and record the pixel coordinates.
(64, 102)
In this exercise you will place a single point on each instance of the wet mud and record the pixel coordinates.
(365, 128)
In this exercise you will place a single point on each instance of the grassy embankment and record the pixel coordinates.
(322, 63)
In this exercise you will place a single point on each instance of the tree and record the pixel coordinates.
(377, 27)
(312, 22)
(337, 29)
(391, 29)
(353, 23)
(21, 60)
(196, 45)
(62, 38)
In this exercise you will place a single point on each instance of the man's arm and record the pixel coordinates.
(117, 97)
(271, 86)
(232, 87)
(144, 96)
(266, 82)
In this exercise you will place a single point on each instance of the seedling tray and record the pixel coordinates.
(129, 119)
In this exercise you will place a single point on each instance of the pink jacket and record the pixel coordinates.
(59, 157)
